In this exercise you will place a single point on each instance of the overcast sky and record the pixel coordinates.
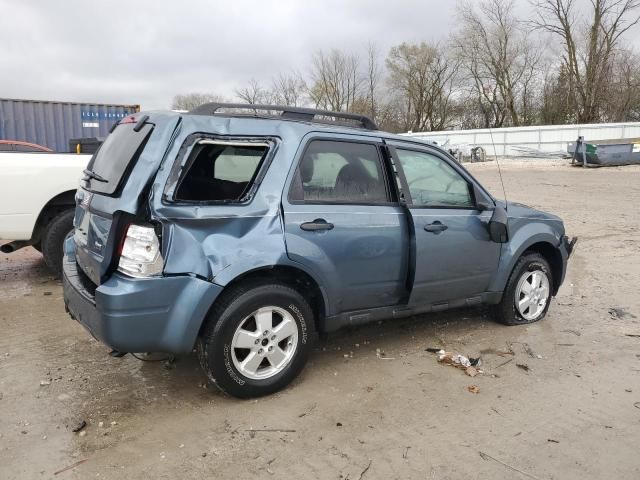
(143, 51)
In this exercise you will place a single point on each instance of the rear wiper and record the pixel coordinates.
(94, 176)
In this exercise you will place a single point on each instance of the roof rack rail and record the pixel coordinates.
(291, 113)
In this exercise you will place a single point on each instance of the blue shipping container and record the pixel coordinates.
(53, 124)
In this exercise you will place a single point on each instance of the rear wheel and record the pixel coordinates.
(527, 295)
(255, 340)
(53, 240)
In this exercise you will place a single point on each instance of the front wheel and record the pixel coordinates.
(527, 295)
(255, 340)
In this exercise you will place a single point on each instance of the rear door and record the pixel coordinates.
(454, 256)
(100, 199)
(343, 224)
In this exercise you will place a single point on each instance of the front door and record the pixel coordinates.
(454, 256)
(343, 224)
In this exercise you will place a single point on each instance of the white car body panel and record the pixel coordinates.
(28, 181)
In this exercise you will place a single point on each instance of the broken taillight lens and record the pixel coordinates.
(141, 256)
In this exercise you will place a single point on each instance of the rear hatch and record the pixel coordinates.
(112, 190)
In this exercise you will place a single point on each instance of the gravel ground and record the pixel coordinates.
(573, 412)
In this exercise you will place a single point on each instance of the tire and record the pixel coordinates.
(530, 266)
(53, 239)
(222, 360)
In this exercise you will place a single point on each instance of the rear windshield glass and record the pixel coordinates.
(221, 172)
(115, 157)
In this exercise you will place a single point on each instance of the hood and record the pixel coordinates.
(519, 212)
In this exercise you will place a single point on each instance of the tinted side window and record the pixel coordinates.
(340, 172)
(433, 182)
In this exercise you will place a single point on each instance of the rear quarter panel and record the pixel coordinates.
(220, 242)
(28, 181)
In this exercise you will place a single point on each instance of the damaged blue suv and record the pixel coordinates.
(240, 230)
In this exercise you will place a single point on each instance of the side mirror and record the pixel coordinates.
(481, 202)
(498, 225)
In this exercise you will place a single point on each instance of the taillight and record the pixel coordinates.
(141, 256)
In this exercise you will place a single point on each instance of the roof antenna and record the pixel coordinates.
(495, 154)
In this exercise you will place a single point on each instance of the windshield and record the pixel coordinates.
(115, 158)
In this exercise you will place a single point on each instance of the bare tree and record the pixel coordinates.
(422, 80)
(189, 101)
(336, 80)
(623, 98)
(587, 58)
(500, 58)
(289, 89)
(254, 94)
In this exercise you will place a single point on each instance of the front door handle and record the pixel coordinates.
(435, 227)
(317, 224)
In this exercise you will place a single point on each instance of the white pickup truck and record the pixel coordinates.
(37, 201)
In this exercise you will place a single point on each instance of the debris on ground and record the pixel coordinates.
(574, 332)
(469, 365)
(551, 440)
(382, 356)
(522, 366)
(486, 456)
(73, 465)
(530, 352)
(632, 335)
(618, 313)
(79, 426)
(44, 383)
(473, 389)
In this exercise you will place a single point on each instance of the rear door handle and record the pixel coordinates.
(317, 224)
(435, 227)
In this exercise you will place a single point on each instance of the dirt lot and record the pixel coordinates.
(575, 413)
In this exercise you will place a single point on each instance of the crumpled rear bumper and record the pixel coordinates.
(159, 314)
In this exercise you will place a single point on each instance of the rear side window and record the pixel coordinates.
(339, 172)
(221, 171)
(115, 157)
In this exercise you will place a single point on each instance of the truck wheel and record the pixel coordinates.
(255, 340)
(527, 295)
(53, 239)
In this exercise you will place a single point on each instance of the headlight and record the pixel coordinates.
(141, 255)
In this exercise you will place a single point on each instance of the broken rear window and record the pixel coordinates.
(221, 171)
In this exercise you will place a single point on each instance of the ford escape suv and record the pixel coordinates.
(240, 230)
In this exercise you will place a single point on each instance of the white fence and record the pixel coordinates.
(519, 141)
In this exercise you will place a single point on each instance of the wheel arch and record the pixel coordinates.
(61, 202)
(553, 256)
(545, 243)
(290, 275)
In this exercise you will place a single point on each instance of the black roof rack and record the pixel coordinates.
(291, 113)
